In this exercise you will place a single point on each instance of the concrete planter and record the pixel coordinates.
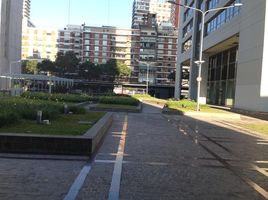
(65, 145)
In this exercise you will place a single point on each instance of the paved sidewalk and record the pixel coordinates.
(174, 157)
(149, 156)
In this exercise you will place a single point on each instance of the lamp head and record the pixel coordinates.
(238, 4)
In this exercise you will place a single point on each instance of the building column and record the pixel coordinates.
(204, 75)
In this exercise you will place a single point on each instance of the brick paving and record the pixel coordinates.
(164, 157)
(27, 179)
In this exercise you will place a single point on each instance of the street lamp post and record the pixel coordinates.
(201, 61)
(147, 78)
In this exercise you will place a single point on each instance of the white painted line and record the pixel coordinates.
(116, 179)
(78, 183)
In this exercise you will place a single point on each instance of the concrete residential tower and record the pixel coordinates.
(165, 12)
(10, 38)
(235, 44)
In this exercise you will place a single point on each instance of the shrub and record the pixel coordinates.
(119, 100)
(27, 109)
(8, 117)
(77, 110)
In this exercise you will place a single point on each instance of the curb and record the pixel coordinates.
(201, 114)
(59, 145)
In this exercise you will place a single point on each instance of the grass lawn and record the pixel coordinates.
(204, 109)
(63, 125)
(118, 106)
(145, 97)
(258, 127)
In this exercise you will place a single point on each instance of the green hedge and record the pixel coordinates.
(119, 100)
(74, 98)
(22, 108)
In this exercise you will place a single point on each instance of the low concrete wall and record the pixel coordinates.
(137, 110)
(65, 145)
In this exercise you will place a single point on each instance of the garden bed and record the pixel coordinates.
(69, 124)
(64, 129)
(57, 144)
(187, 107)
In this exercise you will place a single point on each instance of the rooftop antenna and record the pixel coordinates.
(69, 12)
(108, 13)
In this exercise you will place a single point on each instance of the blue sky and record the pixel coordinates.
(54, 13)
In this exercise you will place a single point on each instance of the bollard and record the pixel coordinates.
(66, 109)
(39, 117)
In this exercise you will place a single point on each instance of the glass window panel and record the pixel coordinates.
(224, 72)
(231, 72)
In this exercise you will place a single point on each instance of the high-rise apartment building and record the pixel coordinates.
(140, 9)
(133, 47)
(70, 39)
(10, 37)
(26, 9)
(157, 50)
(164, 11)
(26, 13)
(39, 43)
(235, 44)
(101, 44)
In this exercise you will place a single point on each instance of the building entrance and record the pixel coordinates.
(222, 77)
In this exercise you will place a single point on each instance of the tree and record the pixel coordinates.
(67, 63)
(47, 66)
(89, 71)
(122, 69)
(29, 67)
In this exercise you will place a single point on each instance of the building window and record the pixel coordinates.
(96, 60)
(212, 4)
(87, 42)
(105, 36)
(97, 36)
(187, 29)
(97, 42)
(188, 13)
(104, 42)
(96, 48)
(222, 18)
(160, 46)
